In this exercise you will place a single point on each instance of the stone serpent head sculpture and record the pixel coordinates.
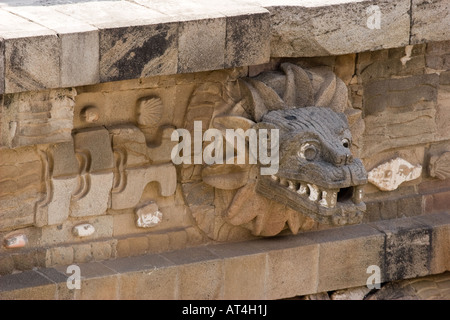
(318, 180)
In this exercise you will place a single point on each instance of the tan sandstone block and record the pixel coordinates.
(317, 28)
(345, 255)
(291, 267)
(244, 270)
(145, 277)
(200, 273)
(430, 20)
(201, 45)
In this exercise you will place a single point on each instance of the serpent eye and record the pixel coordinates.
(346, 143)
(309, 151)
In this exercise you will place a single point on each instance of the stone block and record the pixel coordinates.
(398, 94)
(101, 250)
(98, 282)
(58, 208)
(111, 14)
(201, 45)
(430, 20)
(32, 63)
(158, 242)
(345, 255)
(125, 223)
(26, 260)
(440, 241)
(79, 43)
(200, 273)
(61, 256)
(247, 39)
(80, 58)
(434, 186)
(31, 54)
(244, 271)
(437, 202)
(201, 281)
(60, 280)
(406, 116)
(149, 277)
(28, 285)
(138, 51)
(407, 248)
(318, 28)
(6, 264)
(134, 41)
(291, 265)
(391, 63)
(82, 253)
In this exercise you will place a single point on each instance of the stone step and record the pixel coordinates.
(269, 268)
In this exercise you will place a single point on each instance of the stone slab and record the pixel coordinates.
(247, 41)
(28, 285)
(320, 28)
(280, 267)
(430, 20)
(346, 254)
(138, 51)
(145, 277)
(201, 45)
(112, 14)
(440, 240)
(141, 38)
(407, 248)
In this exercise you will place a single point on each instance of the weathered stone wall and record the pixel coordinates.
(403, 95)
(88, 103)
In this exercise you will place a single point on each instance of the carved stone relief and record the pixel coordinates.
(37, 117)
(439, 166)
(96, 169)
(389, 175)
(318, 181)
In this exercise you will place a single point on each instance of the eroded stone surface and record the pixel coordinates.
(15, 241)
(37, 117)
(83, 230)
(148, 215)
(389, 175)
(439, 166)
(309, 30)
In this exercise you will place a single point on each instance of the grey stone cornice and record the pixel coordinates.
(60, 43)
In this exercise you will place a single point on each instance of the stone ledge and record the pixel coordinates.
(272, 268)
(88, 42)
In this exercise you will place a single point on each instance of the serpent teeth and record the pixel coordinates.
(358, 193)
(291, 185)
(329, 198)
(314, 192)
(303, 189)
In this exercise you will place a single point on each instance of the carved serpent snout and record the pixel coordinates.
(317, 173)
